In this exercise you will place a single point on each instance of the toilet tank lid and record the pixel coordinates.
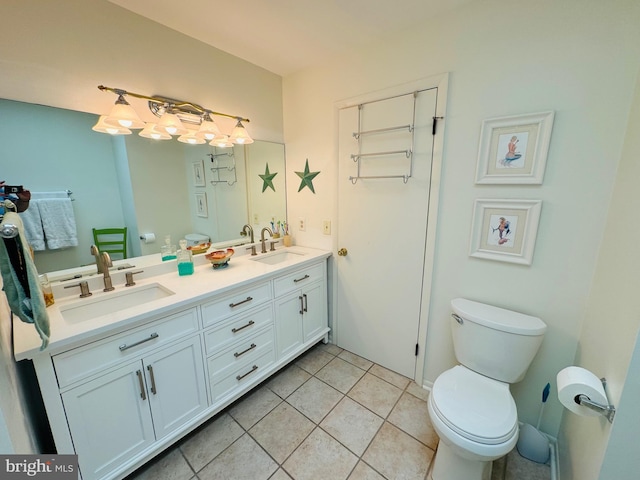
(498, 318)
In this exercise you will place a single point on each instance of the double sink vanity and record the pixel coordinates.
(129, 372)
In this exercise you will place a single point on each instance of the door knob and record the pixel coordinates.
(342, 252)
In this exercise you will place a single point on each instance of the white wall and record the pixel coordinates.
(505, 58)
(610, 328)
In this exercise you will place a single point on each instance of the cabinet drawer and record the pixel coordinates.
(81, 362)
(223, 386)
(241, 352)
(235, 302)
(237, 328)
(298, 279)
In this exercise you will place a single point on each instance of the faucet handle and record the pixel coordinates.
(84, 289)
(129, 278)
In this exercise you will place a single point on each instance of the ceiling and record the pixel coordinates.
(284, 36)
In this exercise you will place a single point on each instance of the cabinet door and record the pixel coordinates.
(176, 385)
(109, 419)
(289, 334)
(314, 299)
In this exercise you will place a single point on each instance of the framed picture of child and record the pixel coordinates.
(505, 230)
(513, 150)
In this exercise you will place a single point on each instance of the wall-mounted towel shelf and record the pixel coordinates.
(357, 156)
(219, 168)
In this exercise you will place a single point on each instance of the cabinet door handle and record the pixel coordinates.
(248, 299)
(124, 346)
(253, 369)
(238, 354)
(143, 396)
(236, 330)
(153, 379)
(296, 280)
(301, 305)
(306, 302)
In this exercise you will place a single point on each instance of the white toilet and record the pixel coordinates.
(470, 405)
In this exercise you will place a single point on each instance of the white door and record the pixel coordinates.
(382, 227)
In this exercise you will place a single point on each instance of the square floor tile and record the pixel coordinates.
(280, 475)
(170, 466)
(418, 391)
(244, 460)
(395, 454)
(287, 381)
(282, 431)
(360, 362)
(519, 467)
(375, 394)
(352, 425)
(315, 399)
(364, 472)
(330, 348)
(340, 374)
(411, 415)
(320, 457)
(393, 378)
(210, 441)
(314, 360)
(251, 408)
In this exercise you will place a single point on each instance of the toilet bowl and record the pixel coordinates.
(470, 405)
(476, 420)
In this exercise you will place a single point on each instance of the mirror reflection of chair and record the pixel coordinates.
(111, 240)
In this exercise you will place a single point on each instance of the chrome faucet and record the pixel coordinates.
(249, 229)
(262, 239)
(103, 262)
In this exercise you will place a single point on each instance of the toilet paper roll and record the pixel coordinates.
(148, 237)
(574, 381)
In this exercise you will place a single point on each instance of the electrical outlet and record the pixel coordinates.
(302, 224)
(326, 227)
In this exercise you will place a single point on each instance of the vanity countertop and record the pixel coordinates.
(186, 291)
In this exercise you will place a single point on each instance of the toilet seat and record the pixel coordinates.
(475, 407)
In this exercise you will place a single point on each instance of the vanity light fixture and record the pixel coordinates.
(173, 115)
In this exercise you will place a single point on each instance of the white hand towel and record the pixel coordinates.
(58, 222)
(33, 226)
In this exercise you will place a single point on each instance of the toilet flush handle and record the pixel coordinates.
(457, 318)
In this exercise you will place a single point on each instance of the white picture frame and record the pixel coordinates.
(202, 209)
(514, 149)
(505, 230)
(197, 170)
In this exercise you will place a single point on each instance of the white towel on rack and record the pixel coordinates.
(33, 226)
(58, 222)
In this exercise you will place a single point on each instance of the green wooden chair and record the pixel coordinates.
(111, 240)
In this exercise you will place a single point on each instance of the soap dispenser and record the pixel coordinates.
(185, 259)
(168, 251)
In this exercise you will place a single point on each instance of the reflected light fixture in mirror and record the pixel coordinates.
(172, 114)
(103, 127)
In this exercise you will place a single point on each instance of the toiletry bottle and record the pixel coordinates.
(46, 290)
(185, 260)
(168, 251)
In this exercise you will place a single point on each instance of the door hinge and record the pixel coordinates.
(417, 347)
(435, 122)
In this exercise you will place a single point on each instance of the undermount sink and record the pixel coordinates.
(89, 308)
(278, 257)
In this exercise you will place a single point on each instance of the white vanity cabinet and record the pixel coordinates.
(124, 410)
(118, 389)
(301, 308)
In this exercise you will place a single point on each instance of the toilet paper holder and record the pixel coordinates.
(608, 411)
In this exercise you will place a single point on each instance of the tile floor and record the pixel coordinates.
(329, 415)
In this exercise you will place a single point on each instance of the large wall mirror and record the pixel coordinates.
(158, 187)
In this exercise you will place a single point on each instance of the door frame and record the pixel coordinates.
(441, 82)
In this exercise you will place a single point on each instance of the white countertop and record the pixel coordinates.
(187, 291)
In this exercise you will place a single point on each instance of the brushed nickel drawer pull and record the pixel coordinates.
(253, 369)
(124, 346)
(238, 354)
(236, 330)
(248, 299)
(301, 305)
(306, 302)
(153, 379)
(296, 280)
(142, 394)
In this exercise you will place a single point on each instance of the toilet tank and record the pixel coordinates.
(495, 342)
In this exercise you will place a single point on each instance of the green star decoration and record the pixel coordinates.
(307, 177)
(267, 178)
